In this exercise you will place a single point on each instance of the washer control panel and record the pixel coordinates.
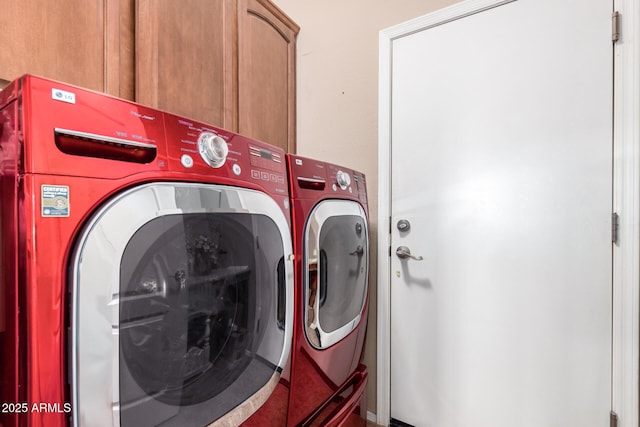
(213, 149)
(204, 149)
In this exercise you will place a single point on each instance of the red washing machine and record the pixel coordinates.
(331, 243)
(147, 267)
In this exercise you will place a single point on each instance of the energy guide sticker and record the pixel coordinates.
(55, 200)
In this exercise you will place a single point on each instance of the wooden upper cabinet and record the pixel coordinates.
(86, 43)
(184, 58)
(230, 63)
(266, 73)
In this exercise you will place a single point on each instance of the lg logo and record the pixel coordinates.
(64, 96)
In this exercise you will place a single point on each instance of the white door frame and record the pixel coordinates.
(626, 193)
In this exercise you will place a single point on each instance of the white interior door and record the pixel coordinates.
(501, 134)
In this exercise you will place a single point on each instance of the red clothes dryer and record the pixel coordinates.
(147, 273)
(331, 243)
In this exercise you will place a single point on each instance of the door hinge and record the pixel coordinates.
(615, 226)
(613, 419)
(615, 26)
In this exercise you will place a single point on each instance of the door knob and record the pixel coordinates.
(403, 252)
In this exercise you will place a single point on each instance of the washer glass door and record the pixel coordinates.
(182, 306)
(336, 253)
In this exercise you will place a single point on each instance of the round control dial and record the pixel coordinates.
(344, 180)
(213, 149)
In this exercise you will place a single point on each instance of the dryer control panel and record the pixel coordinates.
(309, 176)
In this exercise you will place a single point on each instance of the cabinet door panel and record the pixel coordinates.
(81, 42)
(184, 60)
(266, 72)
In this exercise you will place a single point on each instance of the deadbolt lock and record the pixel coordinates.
(404, 225)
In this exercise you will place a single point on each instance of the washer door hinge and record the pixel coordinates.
(613, 419)
(615, 226)
(615, 26)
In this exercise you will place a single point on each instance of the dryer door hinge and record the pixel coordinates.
(613, 419)
(615, 26)
(615, 226)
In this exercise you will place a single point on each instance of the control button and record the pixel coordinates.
(255, 174)
(273, 177)
(343, 179)
(186, 161)
(335, 187)
(213, 149)
(236, 169)
(265, 176)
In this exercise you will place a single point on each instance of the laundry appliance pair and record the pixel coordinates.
(148, 272)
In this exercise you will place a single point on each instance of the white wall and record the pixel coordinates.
(337, 99)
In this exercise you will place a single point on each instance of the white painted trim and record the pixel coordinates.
(439, 17)
(371, 417)
(626, 255)
(383, 386)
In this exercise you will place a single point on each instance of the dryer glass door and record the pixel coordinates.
(182, 296)
(337, 249)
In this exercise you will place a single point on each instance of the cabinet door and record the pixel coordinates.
(184, 58)
(266, 73)
(85, 43)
